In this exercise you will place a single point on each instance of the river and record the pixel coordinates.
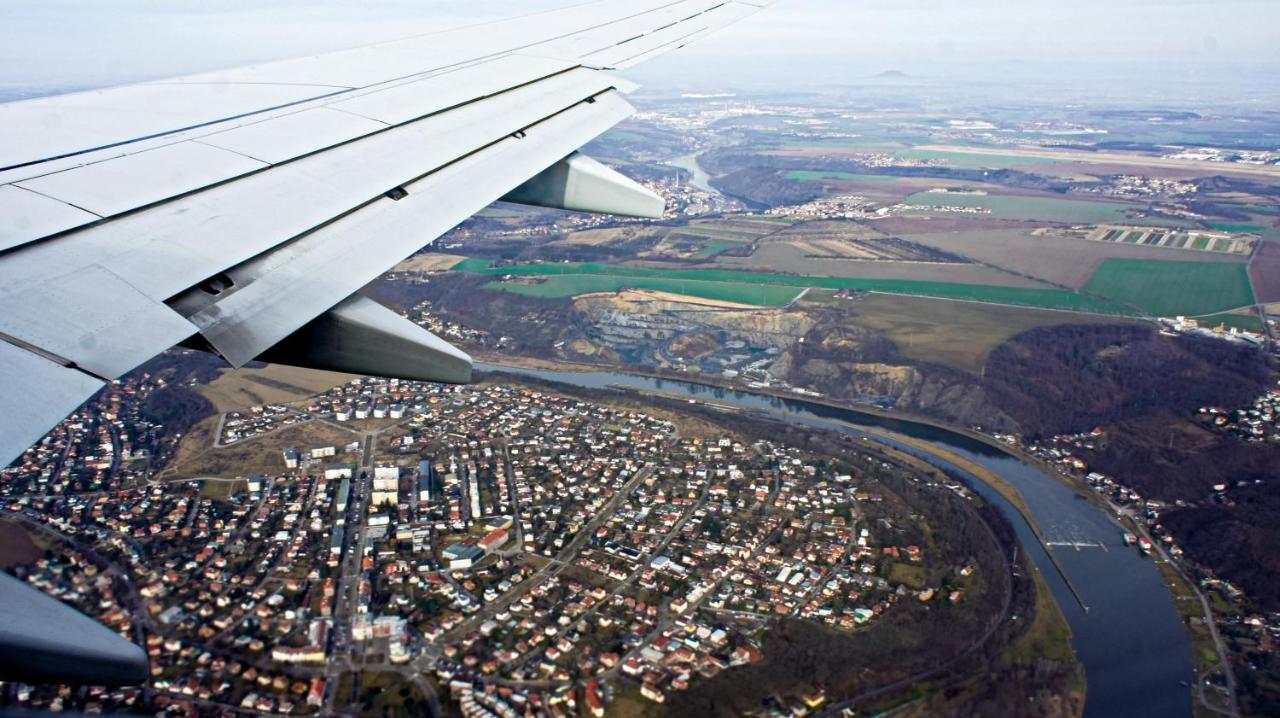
(699, 178)
(1135, 651)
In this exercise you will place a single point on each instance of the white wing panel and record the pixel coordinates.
(302, 280)
(287, 137)
(25, 214)
(93, 319)
(35, 394)
(51, 127)
(125, 183)
(412, 100)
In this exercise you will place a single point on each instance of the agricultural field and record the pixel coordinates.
(851, 240)
(1264, 272)
(813, 176)
(790, 258)
(682, 246)
(605, 277)
(974, 160)
(1229, 227)
(1042, 209)
(430, 262)
(960, 335)
(564, 286)
(1199, 241)
(472, 265)
(702, 240)
(1167, 289)
(1053, 256)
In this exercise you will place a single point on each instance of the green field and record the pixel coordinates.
(716, 246)
(1244, 322)
(811, 176)
(974, 160)
(1228, 227)
(1168, 289)
(743, 286)
(561, 286)
(1045, 209)
(473, 265)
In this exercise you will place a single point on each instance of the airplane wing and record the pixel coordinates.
(240, 211)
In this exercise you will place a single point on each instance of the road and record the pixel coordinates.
(1224, 666)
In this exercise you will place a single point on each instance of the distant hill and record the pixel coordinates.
(891, 75)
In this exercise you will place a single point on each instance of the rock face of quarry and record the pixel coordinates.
(859, 365)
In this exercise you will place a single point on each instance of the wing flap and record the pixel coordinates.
(360, 336)
(93, 319)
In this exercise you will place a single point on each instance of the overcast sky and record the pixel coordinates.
(80, 43)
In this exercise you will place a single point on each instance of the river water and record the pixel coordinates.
(700, 178)
(1130, 640)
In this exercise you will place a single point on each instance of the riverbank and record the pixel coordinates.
(717, 383)
(1007, 490)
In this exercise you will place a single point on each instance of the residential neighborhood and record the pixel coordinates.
(510, 550)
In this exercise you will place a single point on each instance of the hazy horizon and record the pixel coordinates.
(1147, 46)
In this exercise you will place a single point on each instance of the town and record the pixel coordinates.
(510, 550)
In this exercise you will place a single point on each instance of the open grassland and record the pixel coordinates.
(1049, 636)
(961, 335)
(242, 388)
(606, 236)
(1167, 289)
(745, 287)
(198, 459)
(687, 246)
(223, 489)
(1042, 209)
